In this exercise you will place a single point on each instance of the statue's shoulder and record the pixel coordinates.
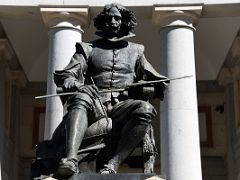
(84, 48)
(88, 47)
(137, 47)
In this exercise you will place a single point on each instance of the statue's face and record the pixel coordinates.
(113, 22)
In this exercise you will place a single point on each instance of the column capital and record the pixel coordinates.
(176, 15)
(66, 17)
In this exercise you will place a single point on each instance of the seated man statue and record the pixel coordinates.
(95, 70)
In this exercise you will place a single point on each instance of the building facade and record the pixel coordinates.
(197, 131)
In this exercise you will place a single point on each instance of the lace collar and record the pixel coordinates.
(114, 39)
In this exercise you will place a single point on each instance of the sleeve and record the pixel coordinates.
(145, 71)
(76, 69)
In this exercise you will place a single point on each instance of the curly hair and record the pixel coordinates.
(129, 20)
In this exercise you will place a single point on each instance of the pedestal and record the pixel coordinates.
(129, 176)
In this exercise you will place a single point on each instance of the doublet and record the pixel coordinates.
(113, 65)
(110, 65)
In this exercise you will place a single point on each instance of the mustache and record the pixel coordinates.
(114, 26)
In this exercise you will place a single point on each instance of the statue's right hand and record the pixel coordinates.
(71, 86)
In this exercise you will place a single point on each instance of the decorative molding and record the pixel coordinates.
(230, 70)
(233, 56)
(228, 75)
(225, 76)
(6, 51)
(8, 103)
(7, 55)
(78, 17)
(18, 78)
(15, 77)
(169, 15)
(236, 94)
(9, 63)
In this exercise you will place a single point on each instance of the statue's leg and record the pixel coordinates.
(134, 117)
(76, 125)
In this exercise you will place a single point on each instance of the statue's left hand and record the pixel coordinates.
(159, 89)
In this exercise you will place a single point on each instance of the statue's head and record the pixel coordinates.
(115, 20)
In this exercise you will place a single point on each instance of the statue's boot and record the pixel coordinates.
(131, 135)
(77, 124)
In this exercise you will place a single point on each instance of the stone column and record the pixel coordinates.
(65, 29)
(180, 146)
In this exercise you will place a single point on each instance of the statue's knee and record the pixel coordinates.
(147, 108)
(145, 111)
(80, 101)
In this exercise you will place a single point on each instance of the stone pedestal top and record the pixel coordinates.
(127, 176)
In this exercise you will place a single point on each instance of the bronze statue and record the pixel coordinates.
(95, 70)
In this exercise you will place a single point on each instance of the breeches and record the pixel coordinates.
(141, 112)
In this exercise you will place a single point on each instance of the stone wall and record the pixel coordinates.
(9, 123)
(214, 161)
(27, 105)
